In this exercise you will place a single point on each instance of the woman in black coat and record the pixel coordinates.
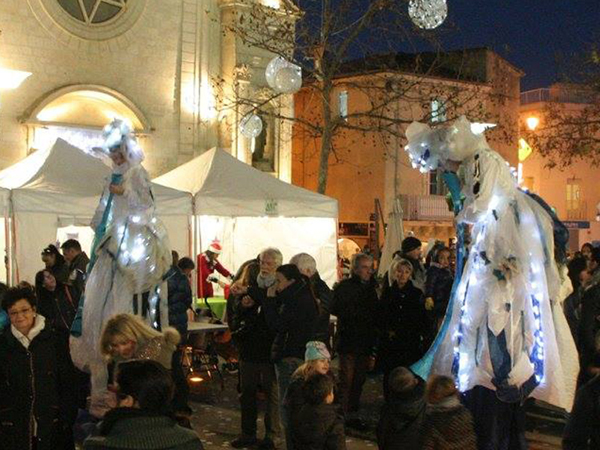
(56, 263)
(404, 325)
(56, 301)
(37, 407)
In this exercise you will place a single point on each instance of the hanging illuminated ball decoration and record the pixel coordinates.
(273, 67)
(251, 125)
(428, 14)
(288, 80)
(283, 76)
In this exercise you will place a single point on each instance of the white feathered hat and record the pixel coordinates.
(430, 148)
(118, 135)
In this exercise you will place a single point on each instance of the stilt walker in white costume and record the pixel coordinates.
(130, 256)
(504, 331)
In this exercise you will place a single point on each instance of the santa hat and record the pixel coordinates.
(215, 247)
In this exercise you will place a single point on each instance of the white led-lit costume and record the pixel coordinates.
(505, 322)
(132, 255)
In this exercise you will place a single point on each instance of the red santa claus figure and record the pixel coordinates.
(207, 264)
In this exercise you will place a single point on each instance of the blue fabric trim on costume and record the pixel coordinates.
(100, 231)
(422, 368)
(4, 321)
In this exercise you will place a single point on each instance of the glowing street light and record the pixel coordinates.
(12, 79)
(532, 123)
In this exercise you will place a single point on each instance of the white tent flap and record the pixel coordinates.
(62, 186)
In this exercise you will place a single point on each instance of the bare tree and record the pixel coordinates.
(369, 48)
(569, 124)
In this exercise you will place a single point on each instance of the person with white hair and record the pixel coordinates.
(129, 259)
(254, 341)
(308, 266)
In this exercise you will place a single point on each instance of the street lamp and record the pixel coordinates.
(12, 79)
(532, 123)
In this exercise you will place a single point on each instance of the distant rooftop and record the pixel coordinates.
(558, 94)
(466, 65)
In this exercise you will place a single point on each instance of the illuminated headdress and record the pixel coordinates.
(429, 148)
(118, 136)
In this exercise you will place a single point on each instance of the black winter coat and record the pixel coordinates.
(448, 429)
(59, 306)
(438, 286)
(583, 427)
(418, 274)
(60, 272)
(355, 304)
(77, 271)
(318, 428)
(589, 327)
(401, 420)
(324, 297)
(404, 326)
(36, 382)
(294, 396)
(179, 299)
(249, 330)
(292, 316)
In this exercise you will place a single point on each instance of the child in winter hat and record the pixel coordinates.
(316, 350)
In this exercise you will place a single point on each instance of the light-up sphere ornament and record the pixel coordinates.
(273, 67)
(288, 80)
(428, 14)
(251, 125)
(283, 76)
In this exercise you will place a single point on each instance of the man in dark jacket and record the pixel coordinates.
(179, 294)
(254, 341)
(583, 427)
(318, 425)
(308, 266)
(589, 325)
(402, 415)
(179, 302)
(355, 305)
(78, 262)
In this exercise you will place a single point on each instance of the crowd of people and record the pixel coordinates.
(281, 317)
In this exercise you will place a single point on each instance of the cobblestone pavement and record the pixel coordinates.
(217, 417)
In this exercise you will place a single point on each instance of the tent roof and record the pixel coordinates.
(66, 180)
(224, 186)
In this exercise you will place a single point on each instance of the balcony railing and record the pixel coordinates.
(556, 95)
(426, 207)
(577, 212)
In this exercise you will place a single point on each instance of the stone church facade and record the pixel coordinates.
(162, 64)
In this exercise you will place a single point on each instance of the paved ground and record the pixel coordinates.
(217, 417)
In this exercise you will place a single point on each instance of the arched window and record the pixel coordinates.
(77, 114)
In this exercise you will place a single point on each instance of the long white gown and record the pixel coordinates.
(132, 258)
(507, 304)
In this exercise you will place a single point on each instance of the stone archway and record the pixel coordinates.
(77, 114)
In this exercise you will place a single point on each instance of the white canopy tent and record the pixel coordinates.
(60, 187)
(249, 210)
(4, 233)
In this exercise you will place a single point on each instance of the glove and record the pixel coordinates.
(212, 279)
(429, 304)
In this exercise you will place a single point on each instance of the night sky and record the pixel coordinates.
(529, 33)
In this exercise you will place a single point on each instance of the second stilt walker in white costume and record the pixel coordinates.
(504, 326)
(130, 256)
